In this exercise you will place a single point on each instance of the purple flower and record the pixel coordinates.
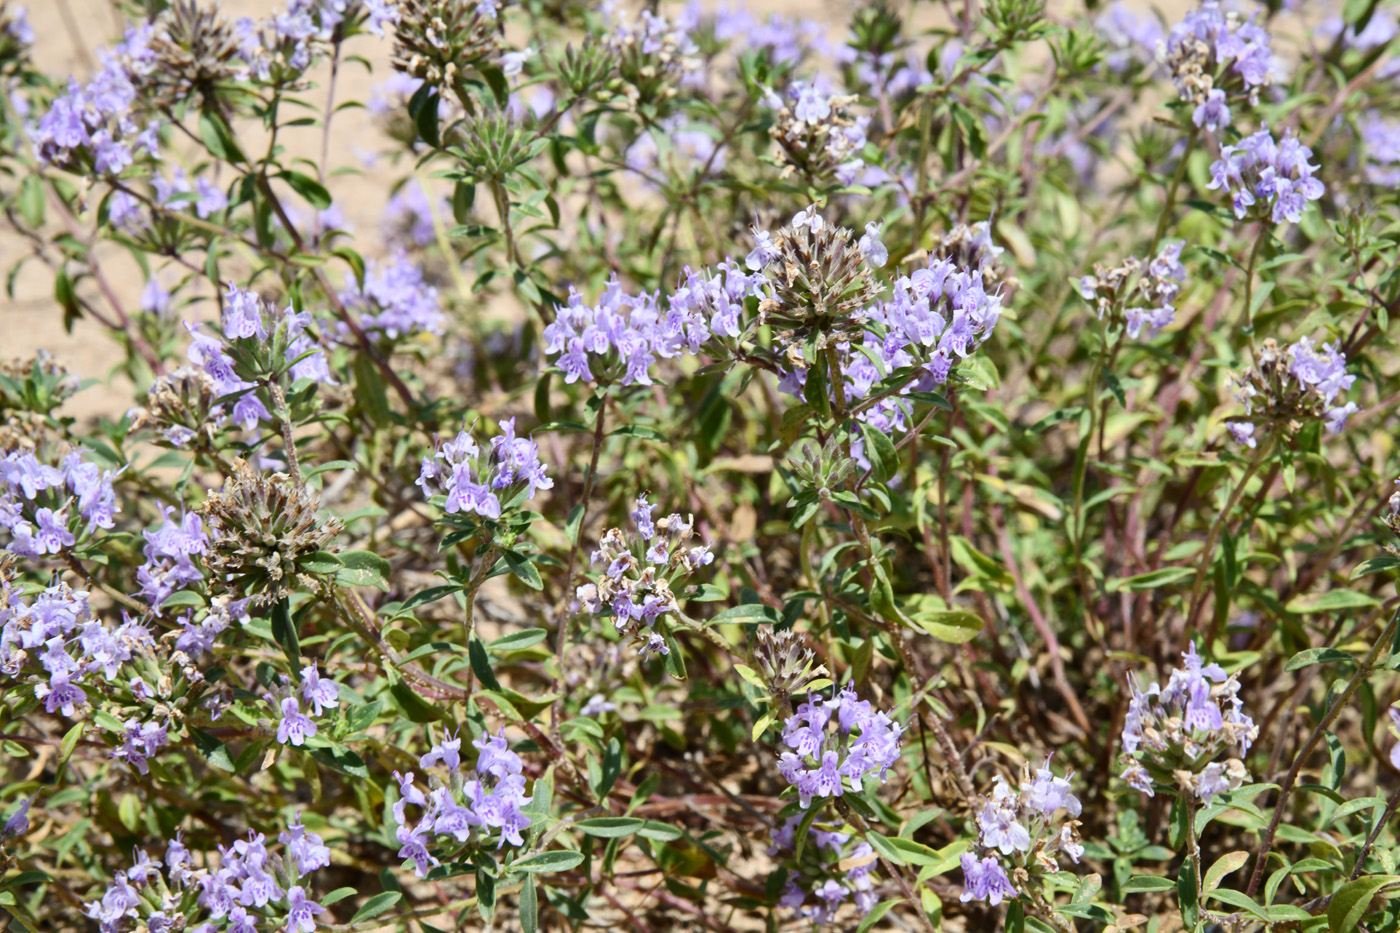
(871, 248)
(306, 849)
(60, 695)
(395, 300)
(985, 880)
(620, 337)
(18, 823)
(295, 727)
(316, 692)
(301, 913)
(448, 752)
(1212, 114)
(1243, 433)
(1276, 176)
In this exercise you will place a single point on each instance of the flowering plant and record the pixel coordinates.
(543, 464)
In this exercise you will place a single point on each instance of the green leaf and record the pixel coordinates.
(376, 905)
(529, 906)
(1151, 580)
(1331, 601)
(338, 895)
(954, 626)
(363, 568)
(1186, 895)
(877, 914)
(554, 860)
(1375, 565)
(660, 832)
(309, 188)
(431, 595)
(1238, 899)
(1230, 861)
(481, 664)
(1143, 883)
(747, 612)
(1352, 901)
(610, 827)
(214, 132)
(880, 451)
(284, 632)
(320, 562)
(214, 751)
(518, 641)
(1312, 656)
(523, 569)
(414, 707)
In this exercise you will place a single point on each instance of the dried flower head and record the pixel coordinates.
(1288, 388)
(1134, 295)
(264, 529)
(785, 662)
(437, 40)
(196, 52)
(182, 407)
(654, 56)
(818, 137)
(821, 282)
(1174, 735)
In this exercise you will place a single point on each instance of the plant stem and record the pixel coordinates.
(1208, 554)
(565, 617)
(1286, 788)
(1164, 220)
(1259, 239)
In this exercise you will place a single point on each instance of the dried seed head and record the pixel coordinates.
(264, 528)
(785, 662)
(178, 407)
(821, 283)
(437, 39)
(195, 50)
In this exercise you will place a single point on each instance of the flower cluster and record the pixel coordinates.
(55, 642)
(619, 338)
(820, 282)
(930, 320)
(394, 300)
(94, 128)
(169, 551)
(845, 874)
(1111, 290)
(1173, 735)
(1214, 55)
(252, 886)
(1268, 179)
(1022, 828)
(818, 137)
(45, 508)
(467, 805)
(1131, 37)
(237, 362)
(638, 571)
(1290, 387)
(474, 483)
(864, 742)
(655, 56)
(717, 297)
(1382, 140)
(294, 726)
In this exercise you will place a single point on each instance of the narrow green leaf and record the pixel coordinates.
(376, 905)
